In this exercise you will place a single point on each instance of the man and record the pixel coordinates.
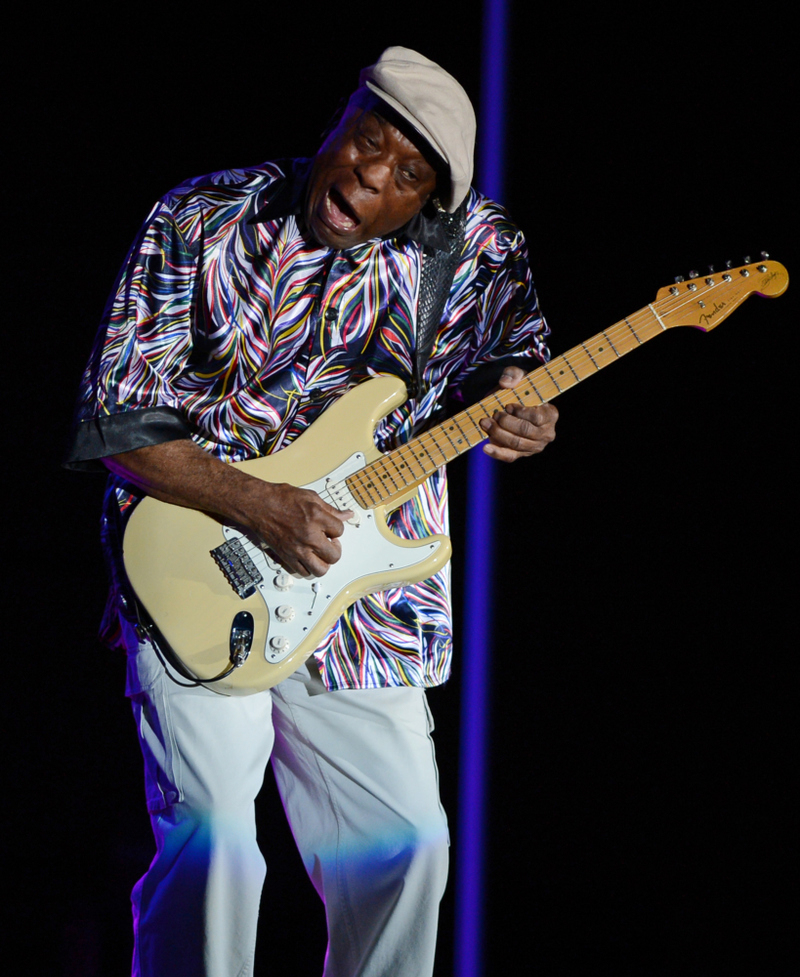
(250, 302)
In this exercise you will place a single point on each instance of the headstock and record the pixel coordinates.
(705, 300)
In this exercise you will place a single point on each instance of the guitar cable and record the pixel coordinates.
(146, 629)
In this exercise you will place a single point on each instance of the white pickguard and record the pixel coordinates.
(296, 603)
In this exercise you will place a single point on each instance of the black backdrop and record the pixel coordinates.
(640, 699)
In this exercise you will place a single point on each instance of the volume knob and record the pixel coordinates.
(283, 581)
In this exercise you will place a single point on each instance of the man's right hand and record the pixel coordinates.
(298, 526)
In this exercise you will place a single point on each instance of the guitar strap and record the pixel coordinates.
(436, 280)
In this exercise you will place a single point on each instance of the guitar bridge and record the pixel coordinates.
(242, 574)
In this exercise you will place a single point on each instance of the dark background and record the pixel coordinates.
(638, 820)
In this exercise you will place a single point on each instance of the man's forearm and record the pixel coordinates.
(296, 523)
(182, 473)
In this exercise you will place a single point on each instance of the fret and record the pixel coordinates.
(415, 466)
(525, 392)
(432, 444)
(370, 482)
(363, 490)
(539, 394)
(624, 341)
(588, 353)
(442, 432)
(465, 439)
(635, 336)
(549, 372)
(397, 460)
(387, 471)
(602, 351)
(390, 477)
(377, 481)
(468, 418)
(579, 363)
(565, 360)
(543, 384)
(420, 443)
(457, 443)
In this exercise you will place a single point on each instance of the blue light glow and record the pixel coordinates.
(477, 630)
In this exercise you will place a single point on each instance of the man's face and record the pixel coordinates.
(367, 180)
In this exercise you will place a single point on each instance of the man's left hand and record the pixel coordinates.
(517, 431)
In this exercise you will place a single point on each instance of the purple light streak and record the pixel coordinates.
(477, 631)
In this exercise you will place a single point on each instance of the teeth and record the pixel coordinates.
(338, 216)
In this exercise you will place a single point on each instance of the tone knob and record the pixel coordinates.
(279, 642)
(285, 612)
(283, 581)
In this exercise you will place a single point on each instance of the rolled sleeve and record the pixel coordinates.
(128, 397)
(498, 301)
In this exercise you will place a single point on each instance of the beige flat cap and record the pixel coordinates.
(434, 103)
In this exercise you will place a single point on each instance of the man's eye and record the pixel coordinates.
(366, 142)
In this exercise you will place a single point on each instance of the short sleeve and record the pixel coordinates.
(127, 396)
(494, 302)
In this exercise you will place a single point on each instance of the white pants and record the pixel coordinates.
(357, 776)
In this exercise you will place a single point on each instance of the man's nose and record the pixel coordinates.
(373, 175)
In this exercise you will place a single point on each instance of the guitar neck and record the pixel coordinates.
(398, 471)
(701, 304)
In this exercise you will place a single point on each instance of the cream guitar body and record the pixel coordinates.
(226, 614)
(193, 599)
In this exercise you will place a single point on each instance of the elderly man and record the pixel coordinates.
(252, 300)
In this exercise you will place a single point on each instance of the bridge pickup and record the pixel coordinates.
(242, 574)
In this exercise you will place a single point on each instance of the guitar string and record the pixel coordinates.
(435, 442)
(442, 443)
(636, 322)
(578, 356)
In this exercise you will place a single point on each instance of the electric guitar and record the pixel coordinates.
(226, 613)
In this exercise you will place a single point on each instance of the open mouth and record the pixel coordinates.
(339, 215)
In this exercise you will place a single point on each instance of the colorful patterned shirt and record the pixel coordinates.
(230, 326)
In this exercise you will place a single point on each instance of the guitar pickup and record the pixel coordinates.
(342, 498)
(242, 574)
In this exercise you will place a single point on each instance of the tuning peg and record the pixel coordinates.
(711, 269)
(747, 259)
(679, 279)
(764, 255)
(729, 264)
(694, 274)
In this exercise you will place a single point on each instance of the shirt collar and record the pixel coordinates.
(287, 199)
